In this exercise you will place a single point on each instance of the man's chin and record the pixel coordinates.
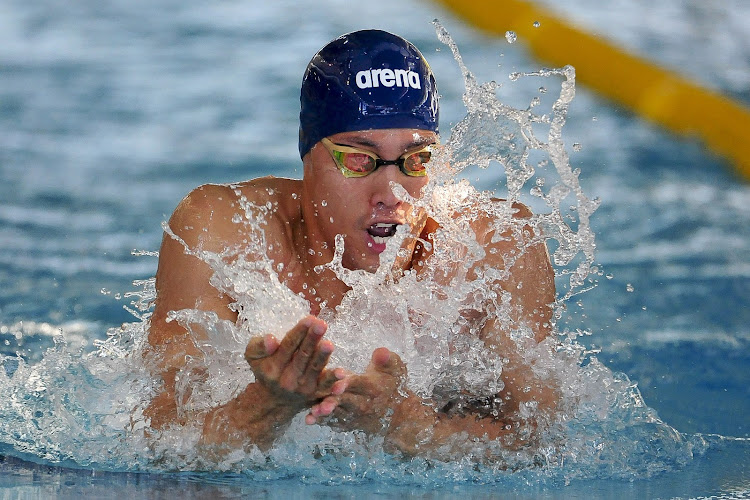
(368, 267)
(370, 262)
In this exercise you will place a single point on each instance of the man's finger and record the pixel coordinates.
(326, 379)
(292, 340)
(325, 407)
(360, 385)
(331, 382)
(321, 410)
(319, 360)
(261, 347)
(387, 362)
(312, 350)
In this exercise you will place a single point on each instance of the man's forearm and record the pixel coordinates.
(418, 429)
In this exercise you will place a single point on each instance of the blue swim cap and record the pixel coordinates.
(366, 80)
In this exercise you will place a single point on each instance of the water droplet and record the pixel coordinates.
(542, 90)
(537, 24)
(629, 287)
(609, 276)
(324, 203)
(511, 36)
(577, 146)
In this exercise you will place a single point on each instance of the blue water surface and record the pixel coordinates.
(110, 112)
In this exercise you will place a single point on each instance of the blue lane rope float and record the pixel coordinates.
(656, 94)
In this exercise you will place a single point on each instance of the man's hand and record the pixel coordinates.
(293, 370)
(289, 376)
(364, 401)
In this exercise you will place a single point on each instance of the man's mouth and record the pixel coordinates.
(381, 231)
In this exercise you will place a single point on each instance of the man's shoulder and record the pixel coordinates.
(269, 189)
(228, 199)
(493, 212)
(212, 211)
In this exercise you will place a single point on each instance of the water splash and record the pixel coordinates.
(87, 408)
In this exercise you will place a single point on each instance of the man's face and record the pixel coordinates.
(362, 209)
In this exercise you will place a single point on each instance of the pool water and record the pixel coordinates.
(110, 113)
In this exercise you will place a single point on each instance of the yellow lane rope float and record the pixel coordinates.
(654, 93)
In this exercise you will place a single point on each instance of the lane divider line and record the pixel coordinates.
(658, 95)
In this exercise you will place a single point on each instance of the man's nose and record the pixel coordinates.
(382, 192)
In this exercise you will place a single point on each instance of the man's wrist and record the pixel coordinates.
(256, 416)
(411, 425)
(258, 402)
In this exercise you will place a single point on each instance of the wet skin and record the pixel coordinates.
(291, 374)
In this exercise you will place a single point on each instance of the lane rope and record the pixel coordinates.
(658, 95)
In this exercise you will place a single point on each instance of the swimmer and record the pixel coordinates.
(369, 118)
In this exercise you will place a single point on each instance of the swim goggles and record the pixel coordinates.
(355, 162)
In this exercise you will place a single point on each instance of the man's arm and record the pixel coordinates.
(530, 286)
(378, 403)
(290, 374)
(182, 282)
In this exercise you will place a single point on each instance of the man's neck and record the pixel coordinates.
(309, 275)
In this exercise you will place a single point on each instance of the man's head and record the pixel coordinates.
(366, 80)
(369, 115)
